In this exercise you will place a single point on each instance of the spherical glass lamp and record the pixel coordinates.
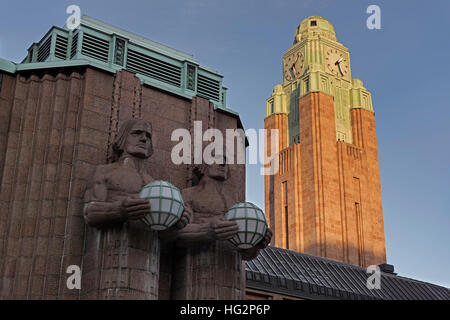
(251, 222)
(166, 204)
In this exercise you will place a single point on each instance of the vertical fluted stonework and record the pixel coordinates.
(278, 122)
(45, 229)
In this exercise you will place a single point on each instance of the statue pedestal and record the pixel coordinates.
(121, 263)
(215, 271)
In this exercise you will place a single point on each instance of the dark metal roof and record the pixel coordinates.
(301, 275)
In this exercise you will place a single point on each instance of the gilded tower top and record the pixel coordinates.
(314, 25)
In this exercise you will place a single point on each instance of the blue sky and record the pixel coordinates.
(405, 65)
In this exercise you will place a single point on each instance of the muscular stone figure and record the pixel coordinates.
(124, 251)
(207, 266)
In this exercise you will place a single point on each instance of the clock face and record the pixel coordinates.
(336, 62)
(293, 66)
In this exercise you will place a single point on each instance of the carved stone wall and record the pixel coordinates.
(54, 129)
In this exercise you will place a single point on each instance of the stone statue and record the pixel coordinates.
(112, 197)
(113, 207)
(207, 266)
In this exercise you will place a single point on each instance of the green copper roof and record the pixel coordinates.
(7, 66)
(109, 48)
(157, 47)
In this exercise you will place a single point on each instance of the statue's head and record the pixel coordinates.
(218, 170)
(134, 138)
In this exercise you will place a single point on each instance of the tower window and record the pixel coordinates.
(271, 107)
(313, 23)
(286, 212)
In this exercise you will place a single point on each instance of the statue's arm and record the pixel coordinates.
(193, 235)
(190, 235)
(196, 234)
(97, 210)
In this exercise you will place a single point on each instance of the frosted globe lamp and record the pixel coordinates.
(166, 204)
(251, 222)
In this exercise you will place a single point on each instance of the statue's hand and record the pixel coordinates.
(185, 219)
(266, 240)
(134, 208)
(223, 229)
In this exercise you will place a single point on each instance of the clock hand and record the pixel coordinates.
(292, 72)
(340, 69)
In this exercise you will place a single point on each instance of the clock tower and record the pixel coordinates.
(325, 199)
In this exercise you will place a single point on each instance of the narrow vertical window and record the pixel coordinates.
(285, 211)
(359, 233)
(359, 221)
